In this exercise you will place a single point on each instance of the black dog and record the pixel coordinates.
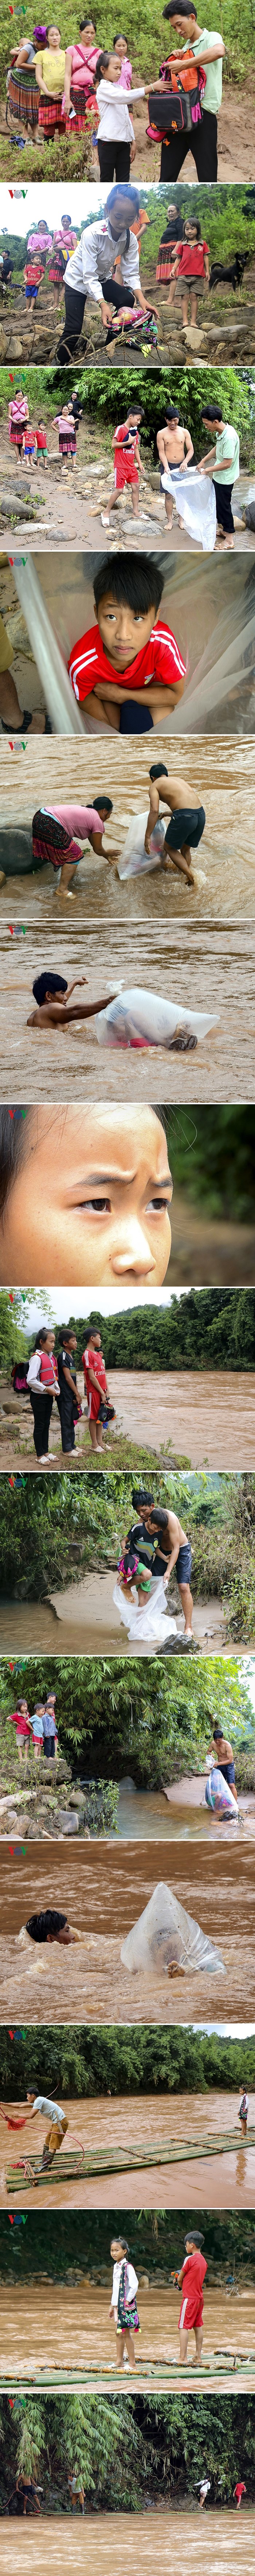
(232, 276)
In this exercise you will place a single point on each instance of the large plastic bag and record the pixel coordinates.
(136, 1018)
(165, 1933)
(219, 1796)
(148, 1618)
(134, 857)
(196, 505)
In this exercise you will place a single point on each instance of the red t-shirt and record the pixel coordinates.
(191, 256)
(194, 2270)
(41, 435)
(240, 2489)
(160, 660)
(123, 437)
(19, 1721)
(94, 1359)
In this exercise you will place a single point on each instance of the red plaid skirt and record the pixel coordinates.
(86, 109)
(52, 842)
(50, 113)
(16, 430)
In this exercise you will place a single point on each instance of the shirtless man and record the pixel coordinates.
(53, 1003)
(172, 443)
(175, 1550)
(176, 792)
(222, 1753)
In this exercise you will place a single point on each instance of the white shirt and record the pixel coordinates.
(94, 258)
(53, 2109)
(245, 2101)
(131, 2283)
(115, 121)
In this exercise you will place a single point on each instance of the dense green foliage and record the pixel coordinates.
(146, 36)
(81, 2240)
(52, 1534)
(154, 1721)
(213, 1160)
(89, 2062)
(130, 2451)
(226, 215)
(208, 1328)
(102, 396)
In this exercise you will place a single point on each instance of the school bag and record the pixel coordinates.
(19, 1376)
(182, 106)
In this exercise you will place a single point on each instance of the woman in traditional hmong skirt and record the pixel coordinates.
(50, 72)
(66, 433)
(64, 243)
(18, 414)
(80, 74)
(22, 88)
(174, 232)
(52, 843)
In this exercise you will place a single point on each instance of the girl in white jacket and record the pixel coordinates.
(115, 136)
(123, 2302)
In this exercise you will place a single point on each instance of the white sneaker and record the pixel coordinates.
(43, 1461)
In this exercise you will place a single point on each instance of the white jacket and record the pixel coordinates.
(115, 122)
(132, 2282)
(95, 257)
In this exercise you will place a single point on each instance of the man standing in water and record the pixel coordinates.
(187, 820)
(175, 449)
(222, 1754)
(154, 1526)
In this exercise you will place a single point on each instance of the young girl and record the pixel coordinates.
(115, 138)
(120, 48)
(123, 2302)
(190, 271)
(84, 1195)
(65, 423)
(37, 1729)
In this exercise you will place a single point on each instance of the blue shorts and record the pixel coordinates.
(183, 1564)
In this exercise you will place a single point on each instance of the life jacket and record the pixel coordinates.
(48, 1369)
(182, 106)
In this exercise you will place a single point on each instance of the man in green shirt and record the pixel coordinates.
(208, 49)
(224, 455)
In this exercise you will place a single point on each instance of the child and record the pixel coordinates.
(19, 1717)
(239, 2491)
(192, 2276)
(37, 1729)
(56, 2131)
(65, 423)
(126, 652)
(128, 463)
(42, 451)
(29, 445)
(187, 821)
(33, 273)
(190, 271)
(84, 1197)
(48, 1927)
(115, 135)
(243, 2113)
(123, 2302)
(95, 1383)
(133, 1576)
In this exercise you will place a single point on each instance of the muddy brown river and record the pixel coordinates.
(56, 2329)
(85, 1620)
(204, 1415)
(130, 2124)
(103, 1888)
(108, 2542)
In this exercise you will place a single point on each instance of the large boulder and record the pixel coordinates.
(16, 850)
(165, 1936)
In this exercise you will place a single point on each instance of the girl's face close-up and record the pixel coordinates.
(91, 1200)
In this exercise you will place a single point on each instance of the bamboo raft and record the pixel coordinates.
(101, 2161)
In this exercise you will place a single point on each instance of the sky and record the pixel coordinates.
(66, 1301)
(18, 211)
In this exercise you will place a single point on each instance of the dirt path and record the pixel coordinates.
(110, 2541)
(68, 2329)
(68, 505)
(131, 2121)
(181, 969)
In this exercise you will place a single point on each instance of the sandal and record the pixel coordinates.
(27, 720)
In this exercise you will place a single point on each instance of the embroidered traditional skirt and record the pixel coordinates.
(23, 95)
(86, 110)
(51, 113)
(52, 842)
(67, 442)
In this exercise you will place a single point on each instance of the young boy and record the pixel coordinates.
(127, 462)
(130, 670)
(53, 1002)
(192, 2276)
(95, 1382)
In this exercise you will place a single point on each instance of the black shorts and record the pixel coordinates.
(228, 1772)
(186, 825)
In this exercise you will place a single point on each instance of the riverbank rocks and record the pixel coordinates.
(166, 1937)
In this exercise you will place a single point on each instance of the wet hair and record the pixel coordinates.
(39, 1925)
(179, 9)
(158, 769)
(193, 2237)
(135, 583)
(48, 984)
(212, 411)
(122, 189)
(142, 1497)
(171, 414)
(160, 1517)
(106, 801)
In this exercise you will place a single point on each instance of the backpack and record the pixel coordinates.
(181, 107)
(19, 1376)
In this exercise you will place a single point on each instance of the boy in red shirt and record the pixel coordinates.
(239, 2491)
(95, 1383)
(130, 670)
(192, 2277)
(127, 462)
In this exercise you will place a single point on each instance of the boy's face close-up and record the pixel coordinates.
(91, 1201)
(123, 633)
